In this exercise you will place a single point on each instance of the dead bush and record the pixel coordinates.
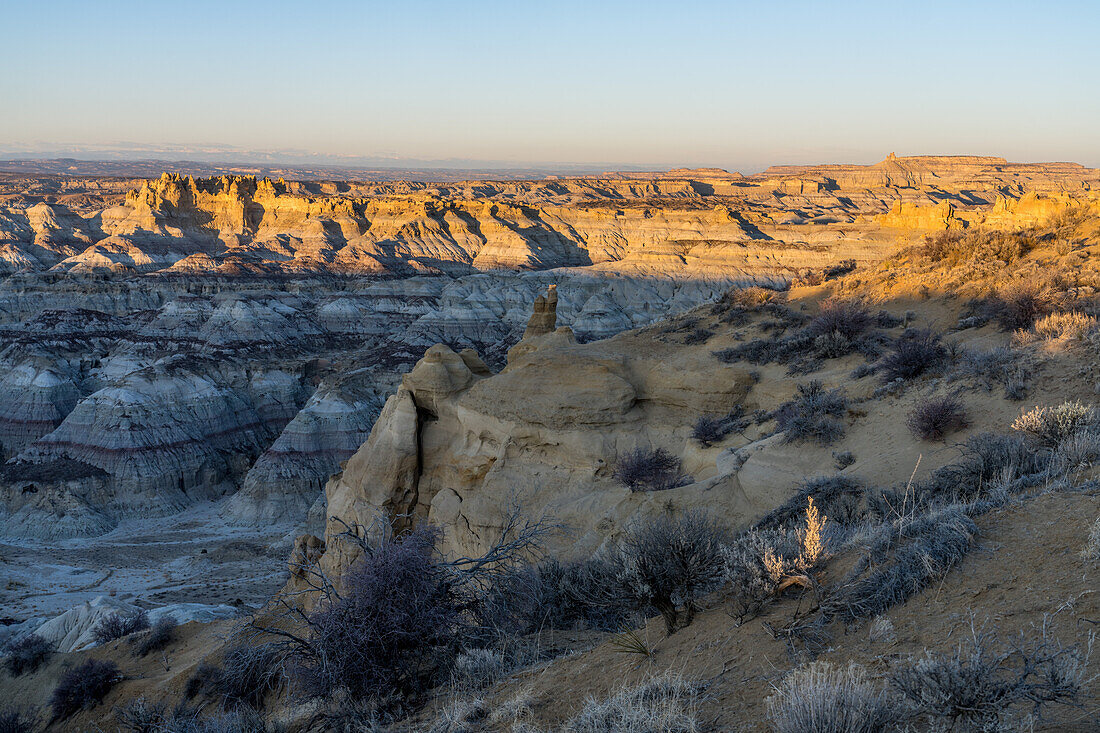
(843, 459)
(392, 629)
(464, 715)
(826, 698)
(934, 418)
(142, 716)
(557, 595)
(710, 430)
(83, 687)
(881, 630)
(978, 685)
(668, 564)
(915, 352)
(649, 470)
(1078, 452)
(476, 669)
(698, 336)
(846, 318)
(26, 654)
(1008, 367)
(139, 715)
(117, 625)
(988, 462)
(842, 327)
(954, 247)
(839, 269)
(157, 637)
(842, 498)
(737, 304)
(246, 675)
(402, 612)
(813, 414)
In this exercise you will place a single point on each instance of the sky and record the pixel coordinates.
(737, 85)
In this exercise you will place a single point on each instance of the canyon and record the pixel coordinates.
(216, 391)
(206, 353)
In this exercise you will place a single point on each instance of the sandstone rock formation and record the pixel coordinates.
(454, 447)
(192, 337)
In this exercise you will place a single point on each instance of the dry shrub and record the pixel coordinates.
(813, 544)
(988, 461)
(840, 328)
(934, 418)
(709, 430)
(556, 595)
(900, 559)
(1012, 368)
(978, 685)
(846, 318)
(83, 687)
(393, 629)
(461, 716)
(1065, 326)
(841, 497)
(141, 716)
(1052, 425)
(16, 720)
(1092, 547)
(514, 712)
(843, 459)
(763, 561)
(813, 414)
(825, 698)
(839, 269)
(649, 470)
(882, 631)
(479, 668)
(811, 552)
(954, 247)
(1080, 451)
(698, 336)
(736, 304)
(662, 704)
(244, 678)
(756, 563)
(1020, 304)
(753, 296)
(117, 625)
(27, 654)
(156, 638)
(668, 564)
(915, 352)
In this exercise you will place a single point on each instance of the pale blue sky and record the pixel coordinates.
(732, 84)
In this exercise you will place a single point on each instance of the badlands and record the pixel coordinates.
(214, 388)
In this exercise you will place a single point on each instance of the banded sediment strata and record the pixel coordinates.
(181, 339)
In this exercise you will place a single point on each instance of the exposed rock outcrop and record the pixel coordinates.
(455, 448)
